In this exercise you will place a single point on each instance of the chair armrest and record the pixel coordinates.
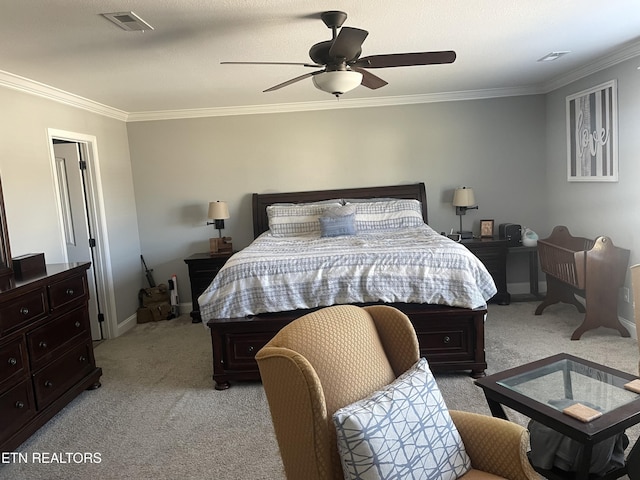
(494, 445)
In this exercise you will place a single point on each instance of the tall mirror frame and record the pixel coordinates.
(6, 266)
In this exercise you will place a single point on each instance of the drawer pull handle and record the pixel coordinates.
(69, 291)
(48, 384)
(13, 361)
(19, 404)
(250, 348)
(446, 339)
(82, 359)
(77, 324)
(24, 311)
(42, 344)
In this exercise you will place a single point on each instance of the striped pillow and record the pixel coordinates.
(290, 220)
(388, 215)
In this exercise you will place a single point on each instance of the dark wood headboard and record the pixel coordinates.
(262, 200)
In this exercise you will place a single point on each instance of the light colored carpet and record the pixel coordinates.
(157, 415)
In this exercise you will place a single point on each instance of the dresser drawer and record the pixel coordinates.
(62, 373)
(16, 408)
(21, 310)
(454, 341)
(54, 335)
(13, 362)
(242, 348)
(67, 291)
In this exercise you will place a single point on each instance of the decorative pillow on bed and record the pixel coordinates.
(387, 215)
(288, 220)
(338, 221)
(402, 431)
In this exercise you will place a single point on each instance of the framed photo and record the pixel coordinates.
(486, 228)
(592, 134)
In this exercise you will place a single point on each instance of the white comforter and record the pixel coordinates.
(412, 265)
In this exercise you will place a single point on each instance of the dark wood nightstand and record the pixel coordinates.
(493, 254)
(203, 267)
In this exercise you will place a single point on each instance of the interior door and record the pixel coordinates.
(77, 228)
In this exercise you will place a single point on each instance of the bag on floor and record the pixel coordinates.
(553, 449)
(154, 312)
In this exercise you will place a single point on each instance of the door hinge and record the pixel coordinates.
(83, 165)
(92, 242)
(101, 317)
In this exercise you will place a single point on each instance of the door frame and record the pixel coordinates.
(88, 145)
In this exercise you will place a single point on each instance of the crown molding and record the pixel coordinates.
(623, 54)
(332, 104)
(32, 87)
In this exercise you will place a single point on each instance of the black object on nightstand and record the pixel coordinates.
(493, 254)
(203, 267)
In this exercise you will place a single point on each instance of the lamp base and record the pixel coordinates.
(220, 245)
(465, 235)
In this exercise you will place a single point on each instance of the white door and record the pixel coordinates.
(77, 226)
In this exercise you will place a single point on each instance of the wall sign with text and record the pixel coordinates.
(592, 134)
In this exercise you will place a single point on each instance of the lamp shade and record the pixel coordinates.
(464, 197)
(218, 210)
(337, 82)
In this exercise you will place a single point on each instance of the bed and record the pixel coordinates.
(291, 269)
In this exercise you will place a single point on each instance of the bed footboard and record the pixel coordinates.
(592, 269)
(452, 339)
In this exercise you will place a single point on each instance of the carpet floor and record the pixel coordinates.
(157, 415)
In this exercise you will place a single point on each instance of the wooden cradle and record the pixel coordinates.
(593, 269)
(451, 338)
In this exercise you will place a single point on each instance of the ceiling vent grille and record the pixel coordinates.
(128, 21)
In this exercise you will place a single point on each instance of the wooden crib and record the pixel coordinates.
(593, 269)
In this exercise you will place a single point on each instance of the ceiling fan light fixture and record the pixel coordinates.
(337, 82)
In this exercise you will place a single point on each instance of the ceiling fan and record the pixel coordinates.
(342, 69)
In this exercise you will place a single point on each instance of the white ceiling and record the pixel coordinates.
(67, 45)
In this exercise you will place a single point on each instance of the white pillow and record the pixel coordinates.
(402, 431)
(387, 215)
(287, 220)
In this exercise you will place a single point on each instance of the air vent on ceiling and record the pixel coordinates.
(550, 57)
(128, 21)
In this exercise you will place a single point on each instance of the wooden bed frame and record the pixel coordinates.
(451, 338)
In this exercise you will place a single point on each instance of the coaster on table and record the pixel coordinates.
(633, 385)
(582, 412)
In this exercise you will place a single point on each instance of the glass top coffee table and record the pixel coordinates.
(541, 390)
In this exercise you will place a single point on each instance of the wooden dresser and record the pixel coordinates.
(46, 350)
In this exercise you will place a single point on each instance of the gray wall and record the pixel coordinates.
(592, 209)
(495, 146)
(30, 197)
(159, 176)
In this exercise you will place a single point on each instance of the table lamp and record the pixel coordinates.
(463, 200)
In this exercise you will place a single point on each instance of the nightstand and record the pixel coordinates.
(203, 267)
(493, 254)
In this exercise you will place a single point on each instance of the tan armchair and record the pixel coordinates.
(337, 355)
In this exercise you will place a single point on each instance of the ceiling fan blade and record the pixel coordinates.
(348, 43)
(272, 63)
(370, 80)
(293, 80)
(406, 59)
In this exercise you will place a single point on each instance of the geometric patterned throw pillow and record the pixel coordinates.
(402, 431)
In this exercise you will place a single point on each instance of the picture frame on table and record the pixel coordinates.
(486, 228)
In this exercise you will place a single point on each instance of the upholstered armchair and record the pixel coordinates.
(338, 355)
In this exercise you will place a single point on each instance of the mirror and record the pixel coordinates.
(5, 250)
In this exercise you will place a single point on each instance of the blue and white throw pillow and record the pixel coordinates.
(338, 221)
(402, 431)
